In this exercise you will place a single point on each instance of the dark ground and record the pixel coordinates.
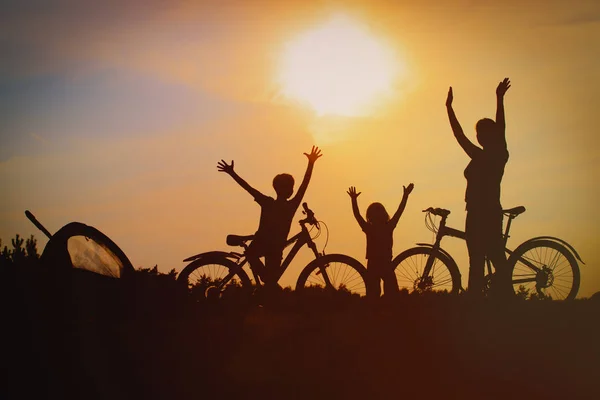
(75, 335)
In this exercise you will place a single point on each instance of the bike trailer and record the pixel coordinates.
(77, 245)
(83, 247)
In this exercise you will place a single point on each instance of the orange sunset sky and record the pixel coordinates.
(115, 114)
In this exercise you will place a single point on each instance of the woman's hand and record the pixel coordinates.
(352, 193)
(408, 189)
(502, 87)
(449, 98)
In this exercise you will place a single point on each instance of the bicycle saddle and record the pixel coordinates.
(237, 240)
(514, 211)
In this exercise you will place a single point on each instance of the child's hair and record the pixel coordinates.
(376, 214)
(283, 185)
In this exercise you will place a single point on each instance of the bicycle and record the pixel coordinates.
(543, 266)
(218, 269)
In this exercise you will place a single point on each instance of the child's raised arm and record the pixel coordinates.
(222, 166)
(407, 190)
(500, 120)
(353, 195)
(314, 155)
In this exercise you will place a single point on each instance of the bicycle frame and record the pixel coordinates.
(298, 240)
(444, 230)
(532, 268)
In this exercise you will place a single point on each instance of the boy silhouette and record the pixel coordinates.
(275, 217)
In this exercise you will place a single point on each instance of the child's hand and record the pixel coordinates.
(222, 166)
(352, 192)
(408, 189)
(315, 153)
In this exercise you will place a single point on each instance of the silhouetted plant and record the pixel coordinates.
(540, 296)
(528, 294)
(18, 252)
(522, 293)
(198, 289)
(31, 251)
(19, 255)
(153, 272)
(5, 259)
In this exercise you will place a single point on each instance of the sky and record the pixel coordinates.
(116, 115)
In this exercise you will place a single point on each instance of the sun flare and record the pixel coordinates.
(338, 68)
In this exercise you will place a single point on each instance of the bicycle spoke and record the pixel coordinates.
(410, 272)
(402, 272)
(339, 273)
(444, 282)
(343, 274)
(556, 273)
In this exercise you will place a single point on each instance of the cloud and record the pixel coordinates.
(106, 105)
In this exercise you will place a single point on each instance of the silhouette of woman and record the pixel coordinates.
(483, 227)
(379, 228)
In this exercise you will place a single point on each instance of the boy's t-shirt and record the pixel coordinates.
(380, 240)
(275, 222)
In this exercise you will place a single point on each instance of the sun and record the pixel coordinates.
(338, 68)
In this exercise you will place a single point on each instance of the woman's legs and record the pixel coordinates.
(476, 247)
(483, 233)
(502, 283)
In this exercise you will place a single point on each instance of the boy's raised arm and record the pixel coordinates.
(407, 190)
(354, 197)
(312, 157)
(500, 120)
(222, 166)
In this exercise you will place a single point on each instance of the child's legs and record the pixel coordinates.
(374, 277)
(382, 270)
(253, 254)
(390, 282)
(272, 268)
(269, 272)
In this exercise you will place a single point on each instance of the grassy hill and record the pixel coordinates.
(78, 335)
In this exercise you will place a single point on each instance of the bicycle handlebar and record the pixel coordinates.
(441, 212)
(310, 216)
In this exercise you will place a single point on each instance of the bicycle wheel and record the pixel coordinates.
(409, 267)
(344, 273)
(545, 269)
(210, 271)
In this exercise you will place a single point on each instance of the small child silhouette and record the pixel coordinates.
(379, 228)
(275, 217)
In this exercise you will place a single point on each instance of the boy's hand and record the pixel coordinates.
(408, 189)
(315, 153)
(352, 192)
(502, 87)
(449, 98)
(222, 166)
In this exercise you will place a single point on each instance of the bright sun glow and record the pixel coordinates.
(337, 68)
